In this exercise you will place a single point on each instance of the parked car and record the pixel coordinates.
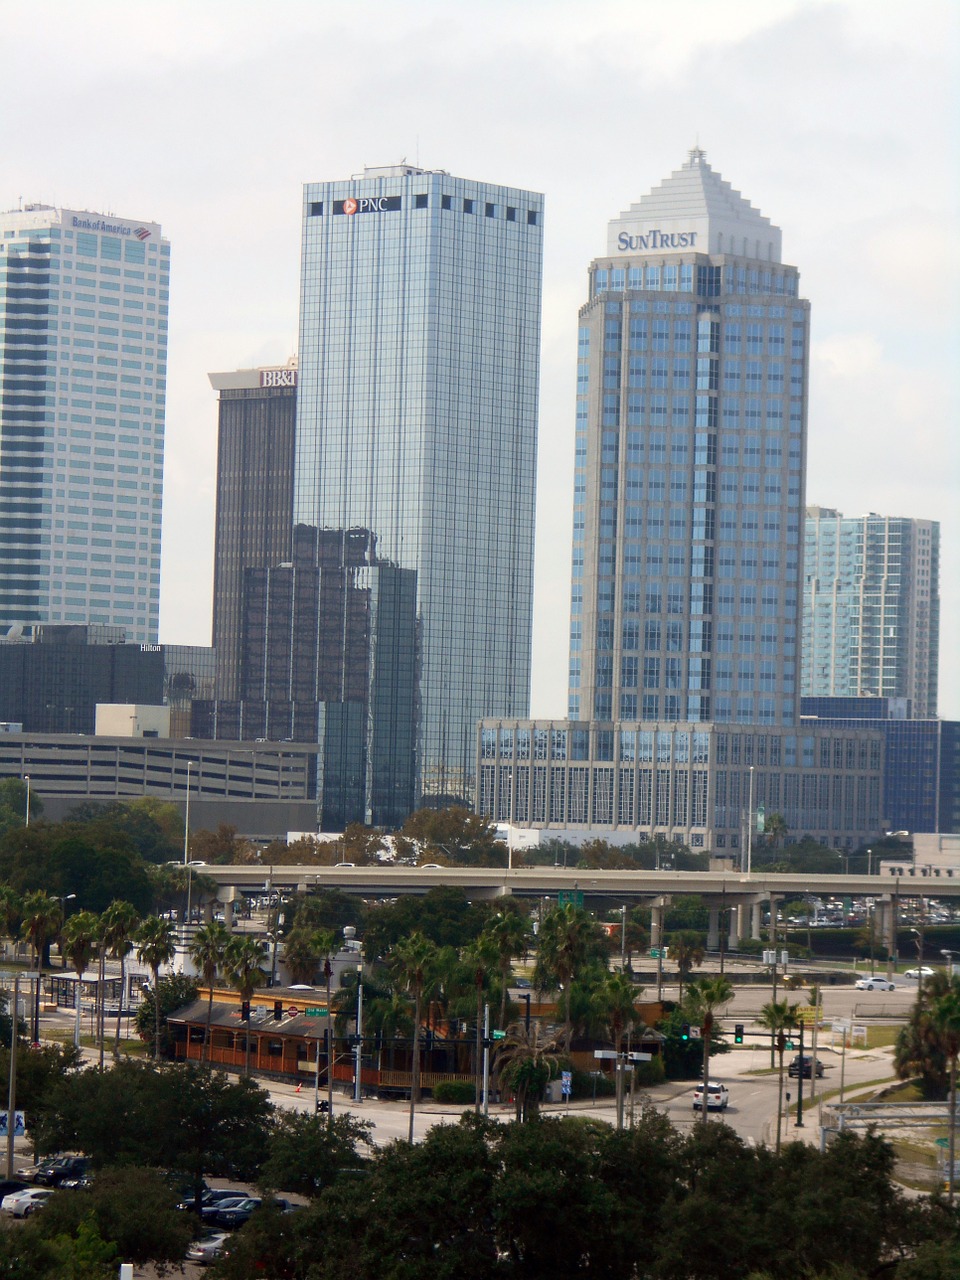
(522, 984)
(232, 1214)
(875, 984)
(208, 1248)
(12, 1187)
(209, 1212)
(22, 1203)
(914, 975)
(29, 1173)
(717, 1097)
(60, 1169)
(794, 1067)
(209, 1198)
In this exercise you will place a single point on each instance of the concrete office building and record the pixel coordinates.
(871, 608)
(83, 350)
(417, 417)
(254, 521)
(687, 541)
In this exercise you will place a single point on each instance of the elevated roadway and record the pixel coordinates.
(724, 887)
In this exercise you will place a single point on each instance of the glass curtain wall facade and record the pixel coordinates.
(691, 423)
(254, 525)
(871, 608)
(690, 458)
(417, 408)
(83, 350)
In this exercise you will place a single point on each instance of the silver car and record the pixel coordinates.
(208, 1248)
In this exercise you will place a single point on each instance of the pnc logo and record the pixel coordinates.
(350, 205)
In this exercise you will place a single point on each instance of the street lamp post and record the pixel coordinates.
(623, 936)
(358, 1046)
(186, 851)
(750, 826)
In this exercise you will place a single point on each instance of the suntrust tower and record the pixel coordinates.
(687, 550)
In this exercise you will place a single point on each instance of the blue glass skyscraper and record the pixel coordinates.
(83, 368)
(416, 420)
(690, 456)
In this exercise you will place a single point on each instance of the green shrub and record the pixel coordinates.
(584, 1082)
(460, 1092)
(651, 1073)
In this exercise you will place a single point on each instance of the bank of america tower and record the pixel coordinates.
(416, 421)
(690, 455)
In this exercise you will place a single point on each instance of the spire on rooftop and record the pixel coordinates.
(695, 209)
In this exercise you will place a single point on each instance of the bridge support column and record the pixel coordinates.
(228, 914)
(736, 923)
(713, 930)
(755, 915)
(208, 911)
(656, 925)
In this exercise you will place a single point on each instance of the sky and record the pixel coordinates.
(838, 119)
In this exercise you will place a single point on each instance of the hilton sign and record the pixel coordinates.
(278, 377)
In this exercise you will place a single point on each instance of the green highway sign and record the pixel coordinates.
(315, 1013)
(570, 898)
(499, 1035)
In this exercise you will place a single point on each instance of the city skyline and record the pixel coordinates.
(851, 159)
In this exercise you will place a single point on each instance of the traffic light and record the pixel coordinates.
(685, 1032)
(277, 1010)
(245, 1011)
(738, 1033)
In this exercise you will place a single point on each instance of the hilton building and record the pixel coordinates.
(417, 419)
(83, 368)
(687, 549)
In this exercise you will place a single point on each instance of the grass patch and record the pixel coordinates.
(882, 1037)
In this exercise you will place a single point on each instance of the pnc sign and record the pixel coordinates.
(368, 204)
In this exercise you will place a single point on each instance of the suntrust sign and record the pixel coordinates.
(656, 239)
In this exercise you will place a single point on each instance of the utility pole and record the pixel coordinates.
(12, 1092)
(486, 1059)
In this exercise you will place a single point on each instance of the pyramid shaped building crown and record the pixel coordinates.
(694, 210)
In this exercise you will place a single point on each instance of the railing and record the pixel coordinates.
(428, 1079)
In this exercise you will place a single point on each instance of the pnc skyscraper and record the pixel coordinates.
(83, 366)
(416, 421)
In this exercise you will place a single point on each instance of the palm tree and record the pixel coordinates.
(119, 924)
(156, 946)
(79, 940)
(945, 1016)
(564, 945)
(207, 952)
(243, 960)
(300, 953)
(412, 961)
(703, 998)
(689, 953)
(481, 957)
(777, 1016)
(526, 1060)
(615, 1001)
(326, 943)
(11, 907)
(510, 934)
(775, 829)
(42, 915)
